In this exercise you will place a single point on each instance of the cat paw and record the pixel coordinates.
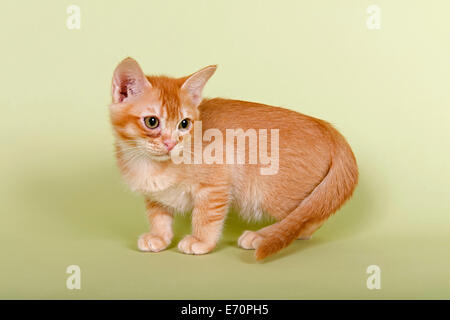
(249, 240)
(152, 243)
(193, 245)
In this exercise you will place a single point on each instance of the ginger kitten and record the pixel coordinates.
(156, 117)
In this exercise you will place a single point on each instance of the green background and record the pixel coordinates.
(62, 200)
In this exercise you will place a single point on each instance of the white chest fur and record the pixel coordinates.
(150, 179)
(177, 197)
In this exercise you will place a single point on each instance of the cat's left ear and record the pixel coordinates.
(195, 82)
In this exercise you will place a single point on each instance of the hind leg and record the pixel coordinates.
(251, 239)
(309, 228)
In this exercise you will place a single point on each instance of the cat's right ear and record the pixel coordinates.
(128, 81)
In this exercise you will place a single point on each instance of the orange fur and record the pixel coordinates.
(317, 169)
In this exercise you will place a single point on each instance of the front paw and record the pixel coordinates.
(152, 243)
(193, 245)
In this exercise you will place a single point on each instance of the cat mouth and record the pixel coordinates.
(158, 153)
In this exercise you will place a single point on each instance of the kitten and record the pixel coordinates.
(153, 118)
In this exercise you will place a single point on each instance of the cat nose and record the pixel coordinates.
(170, 144)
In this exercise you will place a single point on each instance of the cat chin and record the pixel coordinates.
(159, 158)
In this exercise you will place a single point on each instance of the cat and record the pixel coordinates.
(154, 116)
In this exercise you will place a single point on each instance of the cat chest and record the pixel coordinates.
(161, 186)
(176, 197)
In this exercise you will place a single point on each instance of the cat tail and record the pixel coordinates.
(326, 198)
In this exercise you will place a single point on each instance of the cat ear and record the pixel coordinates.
(195, 83)
(128, 81)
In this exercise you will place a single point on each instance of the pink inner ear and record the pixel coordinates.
(196, 97)
(195, 83)
(126, 89)
(128, 81)
(126, 86)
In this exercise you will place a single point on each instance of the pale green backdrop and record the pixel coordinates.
(62, 201)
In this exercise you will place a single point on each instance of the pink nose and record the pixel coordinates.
(170, 144)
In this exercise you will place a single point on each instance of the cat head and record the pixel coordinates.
(151, 115)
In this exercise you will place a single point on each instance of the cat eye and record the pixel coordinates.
(151, 122)
(184, 124)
